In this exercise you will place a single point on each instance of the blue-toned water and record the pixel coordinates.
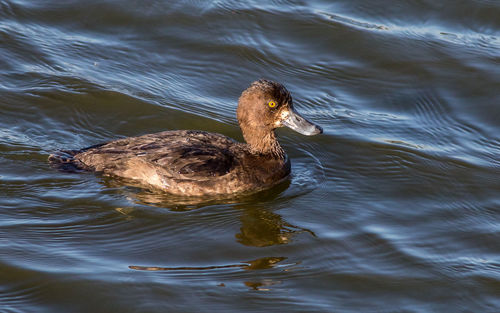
(395, 208)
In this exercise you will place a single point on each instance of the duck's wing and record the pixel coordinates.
(196, 161)
(172, 154)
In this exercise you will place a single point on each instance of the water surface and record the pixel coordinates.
(395, 208)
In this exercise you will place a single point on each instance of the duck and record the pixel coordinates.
(199, 163)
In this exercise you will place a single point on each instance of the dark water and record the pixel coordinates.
(395, 208)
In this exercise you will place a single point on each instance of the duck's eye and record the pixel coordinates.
(272, 104)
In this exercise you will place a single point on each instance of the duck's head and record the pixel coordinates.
(265, 106)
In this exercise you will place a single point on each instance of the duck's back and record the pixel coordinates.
(185, 162)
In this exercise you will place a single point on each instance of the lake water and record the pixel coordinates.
(395, 208)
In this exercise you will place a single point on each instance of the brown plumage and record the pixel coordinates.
(198, 163)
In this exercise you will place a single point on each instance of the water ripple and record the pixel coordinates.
(393, 208)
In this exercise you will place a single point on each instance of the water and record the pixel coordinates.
(395, 208)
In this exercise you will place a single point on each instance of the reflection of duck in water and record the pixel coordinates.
(262, 228)
(258, 264)
(197, 163)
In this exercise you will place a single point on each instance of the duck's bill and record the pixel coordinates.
(301, 125)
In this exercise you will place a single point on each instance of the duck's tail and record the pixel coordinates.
(64, 160)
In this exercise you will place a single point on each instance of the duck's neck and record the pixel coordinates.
(263, 141)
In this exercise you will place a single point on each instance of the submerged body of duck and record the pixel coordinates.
(198, 163)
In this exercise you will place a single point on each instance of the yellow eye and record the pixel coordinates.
(272, 104)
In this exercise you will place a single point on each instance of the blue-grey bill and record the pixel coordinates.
(301, 125)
